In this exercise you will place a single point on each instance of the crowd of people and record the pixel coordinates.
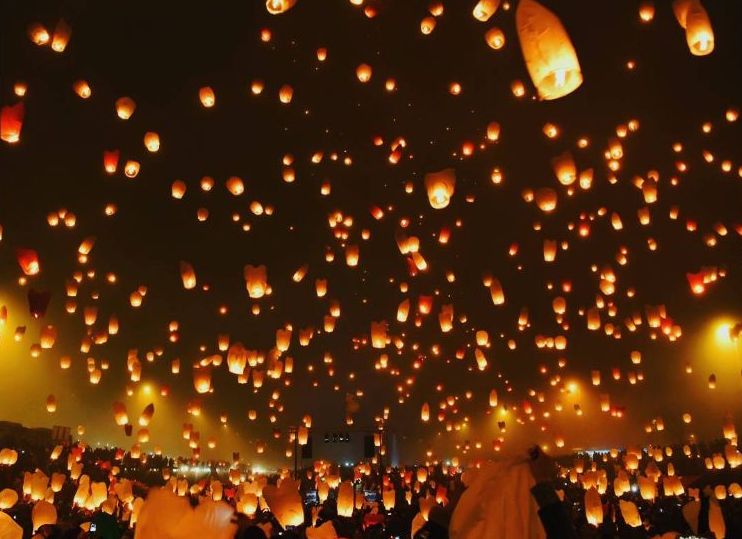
(75, 491)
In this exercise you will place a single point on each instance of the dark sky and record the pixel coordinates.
(161, 53)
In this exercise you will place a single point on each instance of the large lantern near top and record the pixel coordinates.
(699, 34)
(276, 7)
(550, 57)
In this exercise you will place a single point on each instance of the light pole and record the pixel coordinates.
(294, 434)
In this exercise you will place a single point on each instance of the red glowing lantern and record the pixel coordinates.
(28, 260)
(11, 122)
(111, 161)
(695, 280)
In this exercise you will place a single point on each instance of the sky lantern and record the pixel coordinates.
(699, 34)
(403, 311)
(363, 72)
(646, 11)
(427, 25)
(152, 141)
(48, 337)
(351, 255)
(125, 107)
(82, 89)
(235, 185)
(696, 282)
(425, 412)
(202, 379)
(111, 161)
(256, 280)
(550, 250)
(547, 50)
(484, 9)
(345, 499)
(187, 275)
(131, 168)
(445, 318)
(43, 513)
(207, 97)
(119, 414)
(38, 34)
(593, 507)
(11, 122)
(286, 94)
(389, 498)
(565, 168)
(378, 334)
(283, 339)
(61, 36)
(493, 398)
(276, 7)
(51, 404)
(28, 260)
(496, 292)
(495, 38)
(146, 416)
(178, 189)
(546, 199)
(440, 186)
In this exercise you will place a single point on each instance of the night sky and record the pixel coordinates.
(160, 55)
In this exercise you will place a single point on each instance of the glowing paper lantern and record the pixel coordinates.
(202, 379)
(285, 503)
(484, 9)
(630, 513)
(565, 168)
(495, 38)
(8, 498)
(207, 97)
(28, 260)
(378, 334)
(61, 37)
(345, 499)
(119, 414)
(425, 412)
(11, 122)
(256, 281)
(593, 507)
(43, 513)
(440, 186)
(363, 72)
(125, 107)
(187, 275)
(276, 7)
(51, 404)
(699, 34)
(548, 52)
(111, 161)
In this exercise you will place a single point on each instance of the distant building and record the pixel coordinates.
(16, 435)
(345, 446)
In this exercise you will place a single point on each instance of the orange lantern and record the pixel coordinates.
(548, 52)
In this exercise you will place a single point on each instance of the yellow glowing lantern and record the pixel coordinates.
(548, 52)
